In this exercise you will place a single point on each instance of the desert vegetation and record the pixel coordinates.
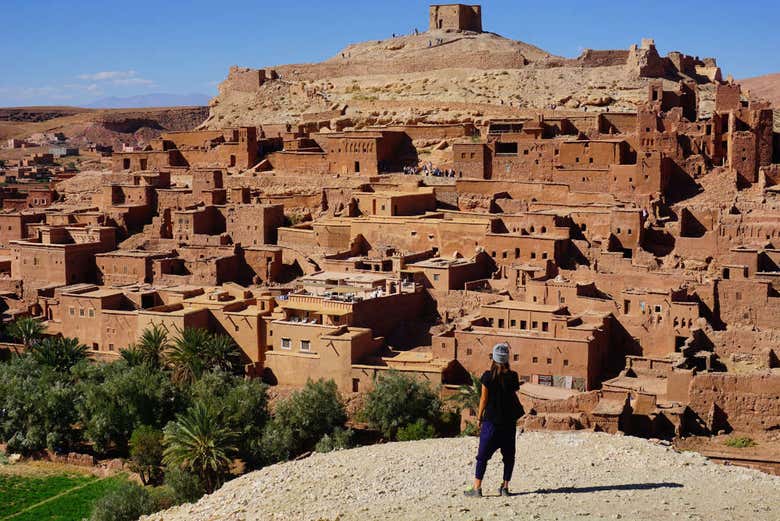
(180, 413)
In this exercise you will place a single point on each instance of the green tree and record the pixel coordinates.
(222, 354)
(197, 442)
(241, 406)
(146, 453)
(196, 351)
(302, 419)
(468, 396)
(127, 502)
(58, 352)
(152, 345)
(37, 407)
(132, 356)
(398, 400)
(339, 439)
(119, 399)
(419, 430)
(26, 330)
(185, 486)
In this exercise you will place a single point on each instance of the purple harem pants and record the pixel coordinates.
(492, 438)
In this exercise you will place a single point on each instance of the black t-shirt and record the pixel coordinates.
(503, 407)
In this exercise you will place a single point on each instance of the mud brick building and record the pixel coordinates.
(457, 17)
(364, 152)
(548, 345)
(232, 148)
(334, 328)
(15, 225)
(59, 254)
(122, 267)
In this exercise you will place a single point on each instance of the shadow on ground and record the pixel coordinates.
(600, 488)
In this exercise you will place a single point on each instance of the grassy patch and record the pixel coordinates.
(63, 497)
(72, 506)
(740, 442)
(20, 492)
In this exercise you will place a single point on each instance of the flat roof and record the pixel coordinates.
(131, 253)
(394, 193)
(317, 307)
(524, 306)
(439, 262)
(96, 293)
(325, 276)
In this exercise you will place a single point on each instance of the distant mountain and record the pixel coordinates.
(150, 100)
(767, 87)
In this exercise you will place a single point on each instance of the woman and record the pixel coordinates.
(499, 410)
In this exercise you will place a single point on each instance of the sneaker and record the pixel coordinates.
(473, 492)
(504, 491)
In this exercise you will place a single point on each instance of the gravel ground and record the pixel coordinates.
(557, 477)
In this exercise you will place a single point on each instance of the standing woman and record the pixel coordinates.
(499, 410)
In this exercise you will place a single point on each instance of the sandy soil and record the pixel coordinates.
(557, 477)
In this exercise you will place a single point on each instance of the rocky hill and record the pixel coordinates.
(447, 76)
(558, 476)
(768, 88)
(106, 127)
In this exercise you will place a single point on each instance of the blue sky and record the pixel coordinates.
(70, 52)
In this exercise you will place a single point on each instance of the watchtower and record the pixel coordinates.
(459, 17)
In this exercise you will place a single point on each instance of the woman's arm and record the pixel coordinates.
(482, 403)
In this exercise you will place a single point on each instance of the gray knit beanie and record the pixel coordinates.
(501, 353)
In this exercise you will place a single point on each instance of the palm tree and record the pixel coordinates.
(152, 345)
(58, 352)
(26, 330)
(196, 441)
(221, 353)
(185, 357)
(132, 355)
(468, 395)
(196, 351)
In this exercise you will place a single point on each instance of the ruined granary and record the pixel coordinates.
(629, 255)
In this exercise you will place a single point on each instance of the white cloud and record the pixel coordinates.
(109, 75)
(129, 77)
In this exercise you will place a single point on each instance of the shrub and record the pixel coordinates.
(398, 400)
(185, 487)
(740, 442)
(119, 399)
(301, 420)
(162, 497)
(470, 429)
(127, 502)
(37, 407)
(146, 453)
(419, 430)
(339, 439)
